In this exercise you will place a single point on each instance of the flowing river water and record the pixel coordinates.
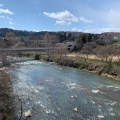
(52, 92)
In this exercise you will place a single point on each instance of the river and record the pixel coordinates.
(52, 92)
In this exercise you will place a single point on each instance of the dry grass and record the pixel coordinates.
(93, 57)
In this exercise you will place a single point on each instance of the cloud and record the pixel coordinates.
(9, 18)
(60, 22)
(12, 27)
(11, 23)
(2, 17)
(113, 17)
(76, 30)
(97, 30)
(102, 30)
(36, 31)
(69, 23)
(85, 20)
(66, 18)
(63, 16)
(1, 5)
(6, 11)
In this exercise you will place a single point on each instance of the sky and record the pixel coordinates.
(91, 16)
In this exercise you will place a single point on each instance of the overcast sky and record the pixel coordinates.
(93, 16)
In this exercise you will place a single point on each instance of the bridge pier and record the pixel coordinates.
(37, 57)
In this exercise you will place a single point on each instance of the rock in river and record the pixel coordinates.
(75, 109)
(28, 113)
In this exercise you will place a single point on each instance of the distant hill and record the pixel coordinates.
(67, 36)
(24, 33)
(3, 32)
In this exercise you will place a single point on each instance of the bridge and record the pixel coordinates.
(22, 49)
(7, 51)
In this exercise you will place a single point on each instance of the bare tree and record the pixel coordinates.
(106, 53)
(87, 50)
(118, 52)
(60, 51)
(10, 36)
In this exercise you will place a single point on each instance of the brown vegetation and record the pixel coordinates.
(6, 110)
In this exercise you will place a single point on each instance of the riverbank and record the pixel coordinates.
(6, 108)
(92, 65)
